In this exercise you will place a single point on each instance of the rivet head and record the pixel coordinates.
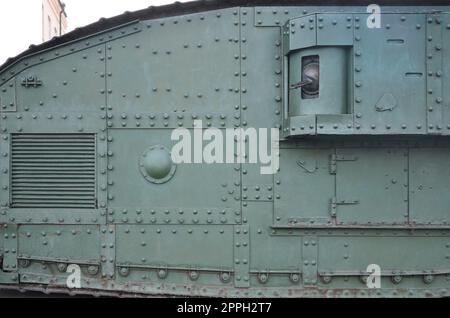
(193, 275)
(225, 277)
(162, 273)
(263, 278)
(428, 279)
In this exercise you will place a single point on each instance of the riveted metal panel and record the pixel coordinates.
(206, 248)
(285, 256)
(75, 45)
(303, 187)
(10, 245)
(226, 230)
(167, 55)
(385, 173)
(60, 243)
(216, 187)
(351, 254)
(390, 75)
(8, 102)
(429, 185)
(262, 87)
(82, 72)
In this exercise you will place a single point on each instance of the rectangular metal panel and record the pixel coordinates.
(60, 243)
(181, 65)
(71, 83)
(196, 246)
(209, 193)
(390, 75)
(391, 253)
(303, 187)
(371, 186)
(429, 184)
(285, 254)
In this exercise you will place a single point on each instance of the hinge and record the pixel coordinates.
(334, 203)
(335, 158)
(333, 207)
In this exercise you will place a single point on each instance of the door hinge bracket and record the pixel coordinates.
(334, 203)
(335, 158)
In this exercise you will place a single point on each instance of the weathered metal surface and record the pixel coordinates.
(85, 141)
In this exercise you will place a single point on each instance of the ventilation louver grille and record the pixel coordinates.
(53, 171)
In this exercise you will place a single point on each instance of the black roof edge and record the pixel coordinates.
(178, 8)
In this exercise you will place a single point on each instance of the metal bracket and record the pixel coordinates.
(31, 81)
(346, 202)
(334, 203)
(309, 167)
(241, 256)
(10, 248)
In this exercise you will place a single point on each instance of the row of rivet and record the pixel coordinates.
(434, 72)
(271, 16)
(163, 273)
(45, 57)
(52, 220)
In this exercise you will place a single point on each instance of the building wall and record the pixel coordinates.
(50, 19)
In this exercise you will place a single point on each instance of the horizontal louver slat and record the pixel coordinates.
(53, 171)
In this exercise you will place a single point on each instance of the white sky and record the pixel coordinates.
(20, 20)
